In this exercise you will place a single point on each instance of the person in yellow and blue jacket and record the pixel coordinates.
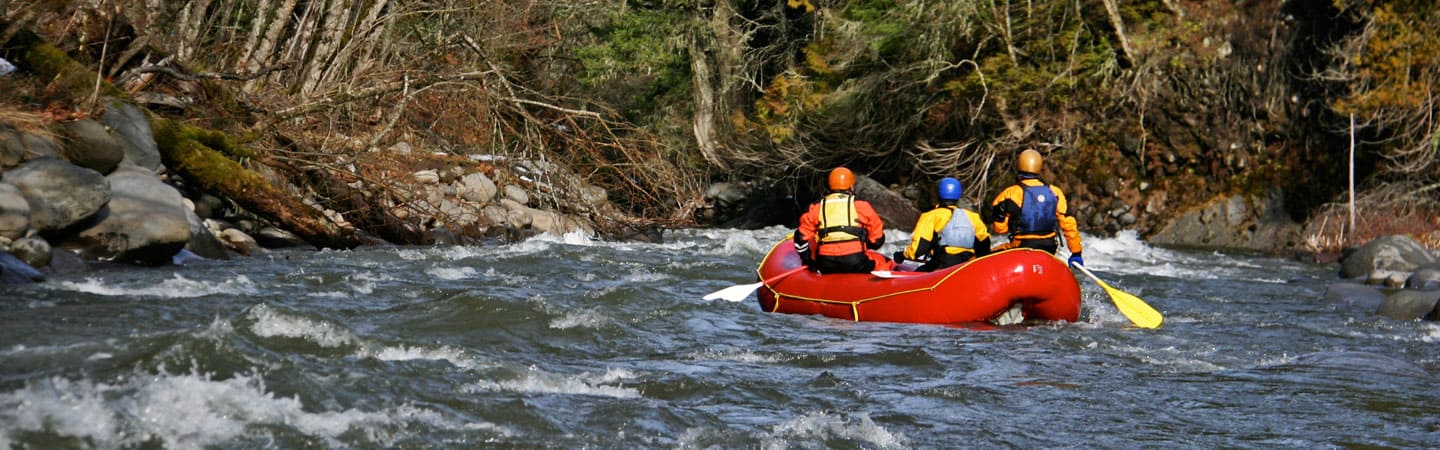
(1034, 213)
(947, 235)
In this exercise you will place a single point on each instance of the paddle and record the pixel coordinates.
(1135, 309)
(739, 292)
(892, 274)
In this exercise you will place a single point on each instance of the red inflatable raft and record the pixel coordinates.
(977, 291)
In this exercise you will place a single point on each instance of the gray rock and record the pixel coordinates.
(14, 271)
(34, 250)
(17, 147)
(208, 206)
(65, 262)
(1409, 304)
(240, 242)
(517, 193)
(130, 123)
(14, 212)
(725, 195)
(202, 242)
(1357, 298)
(1395, 253)
(1258, 223)
(477, 188)
(144, 223)
(1424, 278)
(60, 194)
(271, 237)
(90, 145)
(897, 212)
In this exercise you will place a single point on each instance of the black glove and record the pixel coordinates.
(899, 256)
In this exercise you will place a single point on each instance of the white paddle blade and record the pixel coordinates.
(734, 293)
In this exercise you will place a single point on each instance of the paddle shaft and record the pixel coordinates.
(1140, 313)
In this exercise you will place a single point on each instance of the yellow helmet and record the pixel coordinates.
(841, 179)
(1030, 161)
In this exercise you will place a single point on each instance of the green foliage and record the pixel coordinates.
(640, 59)
(888, 35)
(1401, 60)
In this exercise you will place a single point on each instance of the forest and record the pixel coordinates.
(656, 100)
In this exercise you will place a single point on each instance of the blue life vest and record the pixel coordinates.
(1037, 213)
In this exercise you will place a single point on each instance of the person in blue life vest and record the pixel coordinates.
(840, 233)
(1034, 214)
(947, 235)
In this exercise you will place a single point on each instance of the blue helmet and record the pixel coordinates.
(950, 189)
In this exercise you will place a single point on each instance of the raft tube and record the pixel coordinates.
(977, 291)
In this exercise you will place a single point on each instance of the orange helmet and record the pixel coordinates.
(1030, 161)
(841, 179)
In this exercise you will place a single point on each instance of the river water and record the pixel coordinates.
(564, 342)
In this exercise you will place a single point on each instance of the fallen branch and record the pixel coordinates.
(179, 72)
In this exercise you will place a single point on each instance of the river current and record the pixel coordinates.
(566, 342)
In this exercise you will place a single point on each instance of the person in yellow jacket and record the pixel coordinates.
(840, 233)
(947, 235)
(1034, 213)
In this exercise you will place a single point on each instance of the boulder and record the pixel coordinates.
(202, 242)
(60, 194)
(1354, 297)
(240, 242)
(517, 193)
(17, 147)
(1393, 253)
(898, 212)
(34, 250)
(1258, 222)
(14, 212)
(477, 188)
(271, 237)
(1424, 278)
(65, 262)
(1409, 304)
(144, 223)
(133, 128)
(89, 144)
(14, 271)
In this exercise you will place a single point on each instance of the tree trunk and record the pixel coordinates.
(257, 29)
(1113, 11)
(192, 25)
(264, 54)
(704, 120)
(332, 27)
(346, 60)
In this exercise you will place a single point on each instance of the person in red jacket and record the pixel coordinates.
(1035, 213)
(839, 233)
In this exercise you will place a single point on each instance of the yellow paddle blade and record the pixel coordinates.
(1135, 309)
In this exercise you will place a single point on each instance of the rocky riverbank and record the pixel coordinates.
(99, 190)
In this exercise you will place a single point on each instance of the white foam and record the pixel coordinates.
(541, 382)
(454, 356)
(71, 409)
(177, 287)
(743, 356)
(823, 426)
(1430, 333)
(182, 411)
(452, 273)
(272, 323)
(574, 319)
(645, 276)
